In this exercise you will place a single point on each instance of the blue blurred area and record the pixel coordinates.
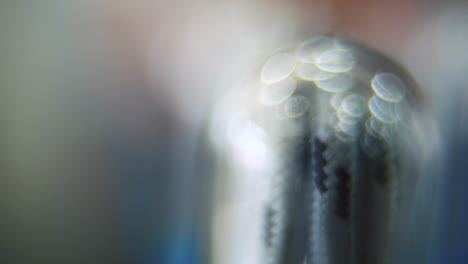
(451, 243)
(175, 249)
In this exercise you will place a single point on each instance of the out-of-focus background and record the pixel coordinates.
(104, 106)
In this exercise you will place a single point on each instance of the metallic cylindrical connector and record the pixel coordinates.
(339, 125)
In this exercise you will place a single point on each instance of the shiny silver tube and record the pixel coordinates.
(342, 153)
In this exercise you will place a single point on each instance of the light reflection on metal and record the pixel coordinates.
(336, 84)
(248, 143)
(354, 105)
(336, 99)
(278, 68)
(336, 61)
(277, 93)
(310, 72)
(382, 110)
(388, 86)
(296, 106)
(311, 49)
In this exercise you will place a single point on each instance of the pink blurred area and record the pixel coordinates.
(181, 48)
